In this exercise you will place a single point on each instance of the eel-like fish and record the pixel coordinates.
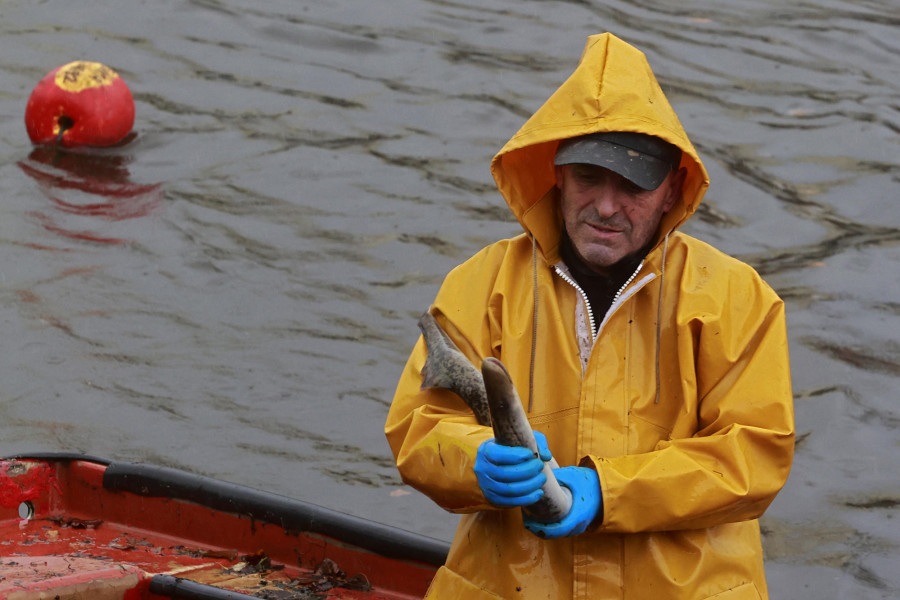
(493, 399)
(448, 368)
(511, 428)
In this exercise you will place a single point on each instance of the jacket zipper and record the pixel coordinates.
(590, 310)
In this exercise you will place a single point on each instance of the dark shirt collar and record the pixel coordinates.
(600, 288)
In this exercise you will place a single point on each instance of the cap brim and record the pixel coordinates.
(646, 172)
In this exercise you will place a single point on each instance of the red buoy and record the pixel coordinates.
(80, 104)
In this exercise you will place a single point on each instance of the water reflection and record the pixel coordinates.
(93, 183)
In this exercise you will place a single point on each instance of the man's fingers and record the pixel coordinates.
(520, 472)
(506, 455)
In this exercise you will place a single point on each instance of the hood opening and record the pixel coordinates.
(613, 89)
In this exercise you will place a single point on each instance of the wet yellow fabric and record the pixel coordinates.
(683, 478)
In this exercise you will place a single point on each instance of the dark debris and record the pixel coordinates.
(327, 576)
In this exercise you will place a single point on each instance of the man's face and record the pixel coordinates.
(607, 216)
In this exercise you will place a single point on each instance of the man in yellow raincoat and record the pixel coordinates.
(653, 364)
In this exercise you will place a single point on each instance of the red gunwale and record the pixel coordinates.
(162, 520)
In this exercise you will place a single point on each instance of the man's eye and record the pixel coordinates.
(590, 177)
(632, 189)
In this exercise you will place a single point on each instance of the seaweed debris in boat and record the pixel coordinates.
(327, 576)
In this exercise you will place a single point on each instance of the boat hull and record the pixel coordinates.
(82, 527)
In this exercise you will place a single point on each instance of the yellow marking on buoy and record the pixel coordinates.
(82, 75)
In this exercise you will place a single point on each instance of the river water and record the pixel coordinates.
(234, 292)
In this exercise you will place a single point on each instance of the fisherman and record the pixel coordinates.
(652, 366)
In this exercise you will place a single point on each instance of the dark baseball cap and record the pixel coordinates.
(642, 159)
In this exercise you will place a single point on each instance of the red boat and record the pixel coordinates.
(78, 527)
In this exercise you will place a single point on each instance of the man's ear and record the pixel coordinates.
(676, 189)
(559, 175)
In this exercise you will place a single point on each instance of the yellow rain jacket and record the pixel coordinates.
(682, 403)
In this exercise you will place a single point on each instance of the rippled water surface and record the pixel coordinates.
(234, 292)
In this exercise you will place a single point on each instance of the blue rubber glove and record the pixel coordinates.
(510, 476)
(587, 504)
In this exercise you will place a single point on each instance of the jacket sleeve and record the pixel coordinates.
(432, 433)
(735, 361)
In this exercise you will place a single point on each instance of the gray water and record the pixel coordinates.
(235, 291)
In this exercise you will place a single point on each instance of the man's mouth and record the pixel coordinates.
(604, 229)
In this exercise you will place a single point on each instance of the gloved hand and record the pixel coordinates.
(587, 504)
(511, 476)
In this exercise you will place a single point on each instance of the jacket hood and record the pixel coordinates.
(612, 89)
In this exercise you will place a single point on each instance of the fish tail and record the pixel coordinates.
(431, 333)
(429, 377)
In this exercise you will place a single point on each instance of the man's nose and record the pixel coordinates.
(607, 201)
